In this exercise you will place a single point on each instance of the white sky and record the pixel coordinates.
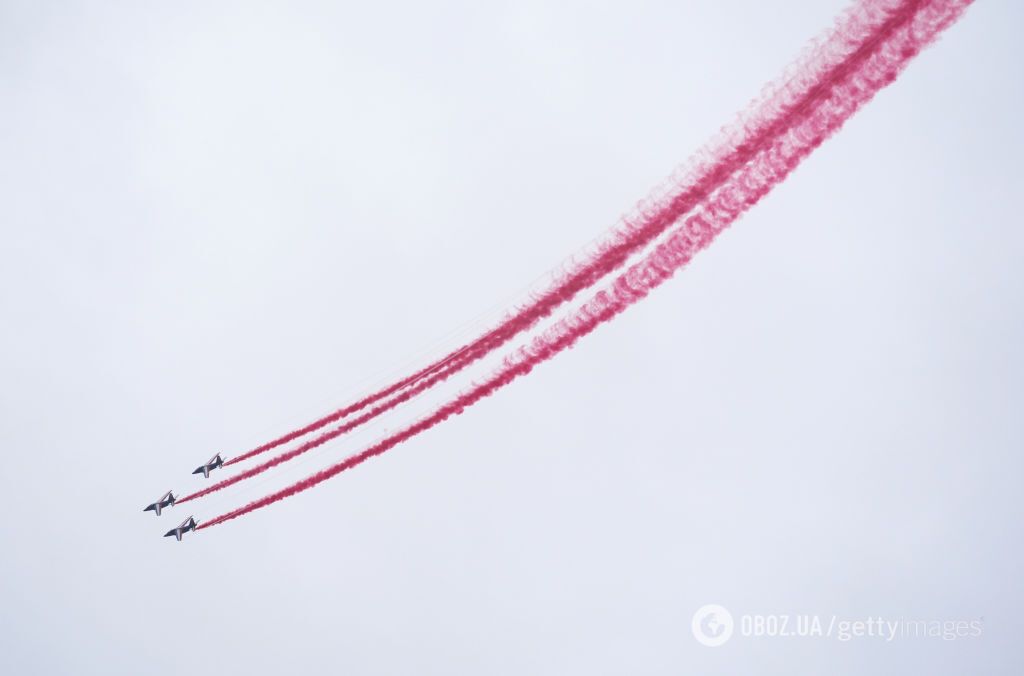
(220, 220)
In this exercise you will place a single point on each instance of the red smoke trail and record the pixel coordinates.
(852, 39)
(343, 412)
(904, 40)
(814, 96)
(321, 439)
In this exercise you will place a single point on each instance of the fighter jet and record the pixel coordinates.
(214, 463)
(186, 525)
(166, 501)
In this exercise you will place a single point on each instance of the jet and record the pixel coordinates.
(166, 501)
(213, 463)
(186, 525)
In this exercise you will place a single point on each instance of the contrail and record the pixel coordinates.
(902, 40)
(802, 87)
(814, 96)
(343, 412)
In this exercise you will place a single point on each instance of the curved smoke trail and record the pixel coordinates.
(904, 39)
(735, 146)
(806, 91)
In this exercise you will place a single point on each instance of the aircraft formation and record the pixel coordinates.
(865, 51)
(168, 499)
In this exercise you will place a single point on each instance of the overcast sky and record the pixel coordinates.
(220, 220)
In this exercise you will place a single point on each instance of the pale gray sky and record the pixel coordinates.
(219, 221)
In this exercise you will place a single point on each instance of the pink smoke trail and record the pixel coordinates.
(802, 87)
(799, 111)
(755, 180)
(343, 412)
